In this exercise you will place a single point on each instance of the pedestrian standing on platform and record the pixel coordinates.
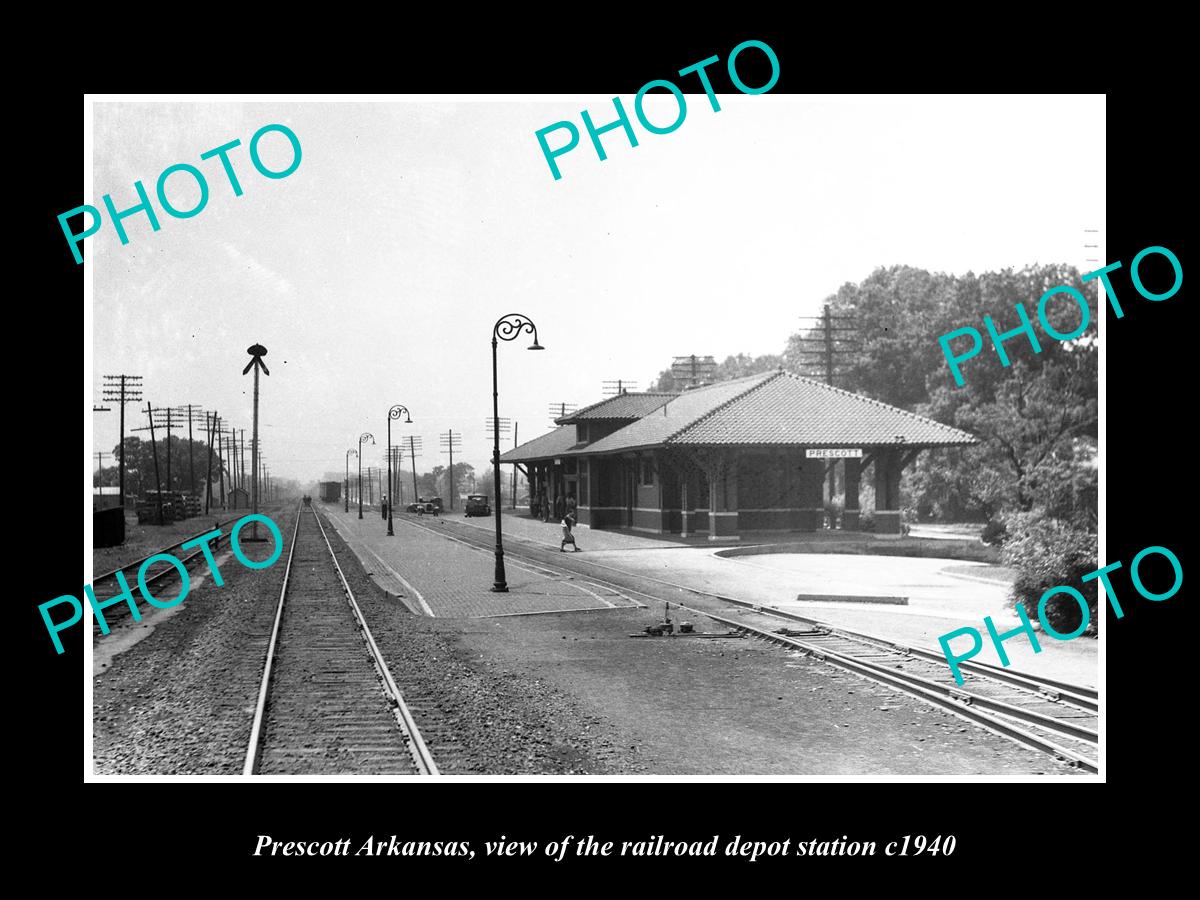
(560, 507)
(571, 507)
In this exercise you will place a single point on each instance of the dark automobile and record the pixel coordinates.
(477, 505)
(432, 506)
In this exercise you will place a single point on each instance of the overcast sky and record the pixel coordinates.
(375, 272)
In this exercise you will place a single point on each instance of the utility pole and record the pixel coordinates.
(397, 482)
(154, 453)
(516, 427)
(450, 441)
(209, 421)
(562, 409)
(123, 389)
(826, 332)
(228, 462)
(693, 369)
(614, 388)
(167, 411)
(190, 411)
(158, 415)
(412, 449)
(503, 425)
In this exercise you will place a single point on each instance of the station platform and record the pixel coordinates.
(942, 593)
(434, 575)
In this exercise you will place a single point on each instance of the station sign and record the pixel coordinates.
(836, 453)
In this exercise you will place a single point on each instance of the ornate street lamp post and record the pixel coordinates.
(348, 452)
(506, 329)
(362, 437)
(393, 413)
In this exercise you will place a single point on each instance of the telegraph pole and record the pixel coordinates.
(190, 410)
(826, 332)
(495, 429)
(209, 420)
(151, 414)
(123, 389)
(561, 410)
(693, 369)
(154, 453)
(614, 388)
(516, 427)
(170, 486)
(450, 441)
(412, 449)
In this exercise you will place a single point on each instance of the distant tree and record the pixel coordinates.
(139, 464)
(427, 484)
(664, 382)
(737, 366)
(485, 484)
(743, 364)
(462, 479)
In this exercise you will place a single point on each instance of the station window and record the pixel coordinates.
(647, 472)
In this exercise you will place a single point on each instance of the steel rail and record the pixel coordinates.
(1077, 695)
(138, 562)
(1050, 689)
(261, 707)
(959, 702)
(954, 699)
(422, 758)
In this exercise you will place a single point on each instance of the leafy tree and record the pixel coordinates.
(139, 464)
(462, 479)
(733, 367)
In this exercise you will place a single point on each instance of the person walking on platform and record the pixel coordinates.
(568, 523)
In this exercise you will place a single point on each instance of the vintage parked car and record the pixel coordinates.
(433, 506)
(477, 505)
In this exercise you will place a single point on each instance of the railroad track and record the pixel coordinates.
(198, 554)
(328, 703)
(119, 613)
(1043, 714)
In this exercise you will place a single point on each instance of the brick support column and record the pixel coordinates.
(812, 486)
(853, 478)
(887, 491)
(723, 503)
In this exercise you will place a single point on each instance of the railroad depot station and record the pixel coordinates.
(752, 454)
